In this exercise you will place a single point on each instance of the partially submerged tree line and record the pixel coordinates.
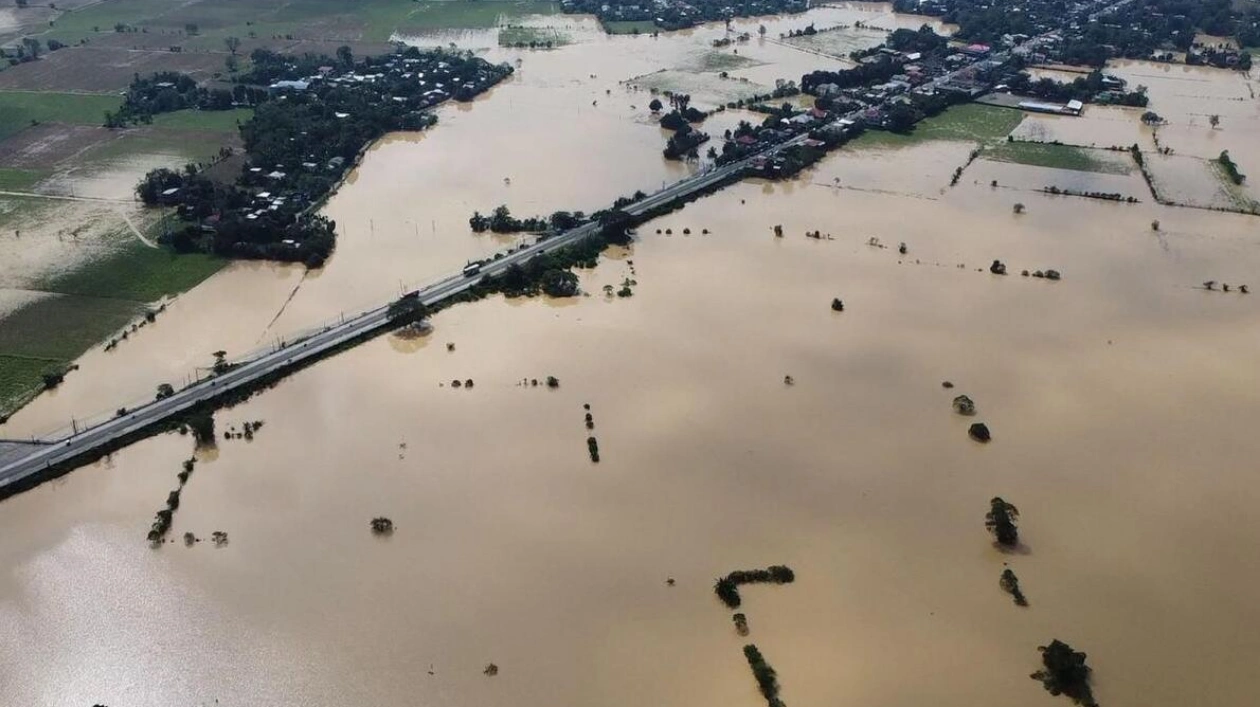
(727, 588)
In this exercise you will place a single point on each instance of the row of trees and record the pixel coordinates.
(1087, 89)
(501, 221)
(860, 75)
(767, 678)
(727, 588)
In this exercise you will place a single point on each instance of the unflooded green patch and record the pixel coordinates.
(21, 180)
(21, 109)
(971, 122)
(461, 14)
(713, 61)
(548, 37)
(21, 378)
(228, 121)
(631, 27)
(137, 273)
(62, 327)
(1040, 154)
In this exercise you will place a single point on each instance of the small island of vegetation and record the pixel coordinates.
(1230, 169)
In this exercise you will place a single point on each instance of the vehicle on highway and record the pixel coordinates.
(472, 269)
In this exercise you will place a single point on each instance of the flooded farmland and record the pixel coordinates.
(1119, 400)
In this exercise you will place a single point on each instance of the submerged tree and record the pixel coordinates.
(1065, 673)
(406, 310)
(767, 679)
(202, 424)
(382, 526)
(1000, 520)
(1010, 584)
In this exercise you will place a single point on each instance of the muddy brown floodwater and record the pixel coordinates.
(1121, 401)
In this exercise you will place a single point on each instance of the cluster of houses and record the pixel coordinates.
(958, 69)
(424, 82)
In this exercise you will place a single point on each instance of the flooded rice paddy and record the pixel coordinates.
(1120, 400)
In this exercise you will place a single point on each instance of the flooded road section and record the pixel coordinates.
(1120, 398)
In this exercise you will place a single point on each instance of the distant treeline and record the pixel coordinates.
(1087, 89)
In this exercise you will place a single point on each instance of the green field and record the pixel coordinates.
(138, 273)
(20, 379)
(13, 179)
(64, 326)
(637, 27)
(19, 108)
(715, 61)
(211, 120)
(971, 122)
(361, 20)
(514, 36)
(1041, 154)
(72, 26)
(89, 304)
(458, 14)
(186, 145)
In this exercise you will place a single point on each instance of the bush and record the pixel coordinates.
(1010, 585)
(559, 283)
